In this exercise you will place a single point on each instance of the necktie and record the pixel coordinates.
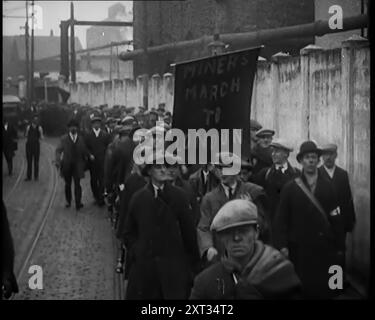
(231, 193)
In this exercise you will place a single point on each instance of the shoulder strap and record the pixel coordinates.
(313, 199)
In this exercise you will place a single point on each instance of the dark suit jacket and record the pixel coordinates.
(313, 245)
(9, 139)
(197, 182)
(273, 181)
(161, 238)
(340, 182)
(121, 161)
(7, 252)
(261, 158)
(193, 203)
(97, 146)
(72, 154)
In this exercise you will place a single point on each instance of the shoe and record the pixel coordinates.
(79, 206)
(67, 205)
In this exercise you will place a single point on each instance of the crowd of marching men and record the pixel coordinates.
(272, 231)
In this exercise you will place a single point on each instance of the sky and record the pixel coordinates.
(53, 13)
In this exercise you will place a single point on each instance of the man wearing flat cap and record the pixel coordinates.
(340, 180)
(255, 126)
(97, 141)
(249, 269)
(229, 188)
(309, 228)
(71, 157)
(160, 236)
(273, 178)
(261, 156)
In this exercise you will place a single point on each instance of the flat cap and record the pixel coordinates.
(331, 147)
(235, 213)
(281, 144)
(265, 132)
(255, 125)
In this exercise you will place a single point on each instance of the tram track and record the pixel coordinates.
(47, 205)
(18, 180)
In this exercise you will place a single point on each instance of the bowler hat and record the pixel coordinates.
(281, 144)
(255, 125)
(308, 147)
(235, 213)
(73, 123)
(331, 147)
(264, 132)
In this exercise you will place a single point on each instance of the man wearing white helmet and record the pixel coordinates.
(248, 269)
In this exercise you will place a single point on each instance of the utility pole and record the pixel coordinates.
(72, 46)
(32, 52)
(27, 56)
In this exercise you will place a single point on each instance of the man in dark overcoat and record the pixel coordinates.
(273, 178)
(33, 134)
(340, 180)
(97, 141)
(8, 279)
(71, 157)
(161, 239)
(177, 180)
(203, 181)
(261, 154)
(9, 143)
(309, 228)
(230, 187)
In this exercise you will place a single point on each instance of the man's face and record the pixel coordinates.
(329, 159)
(245, 175)
(253, 136)
(239, 241)
(159, 173)
(225, 179)
(174, 171)
(96, 125)
(265, 141)
(310, 162)
(279, 156)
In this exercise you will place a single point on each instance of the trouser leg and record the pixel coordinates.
(29, 159)
(68, 188)
(77, 190)
(36, 163)
(93, 182)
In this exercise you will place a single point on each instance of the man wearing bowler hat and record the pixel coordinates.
(273, 178)
(262, 153)
(97, 141)
(340, 180)
(249, 269)
(309, 228)
(71, 157)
